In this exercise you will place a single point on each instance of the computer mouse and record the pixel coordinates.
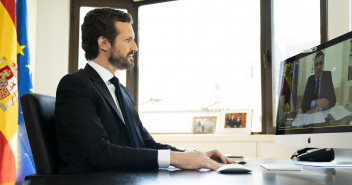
(233, 168)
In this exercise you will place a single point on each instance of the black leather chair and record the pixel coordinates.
(39, 117)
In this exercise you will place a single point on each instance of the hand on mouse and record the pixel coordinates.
(219, 157)
(196, 159)
(192, 160)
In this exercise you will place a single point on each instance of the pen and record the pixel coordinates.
(242, 162)
(233, 156)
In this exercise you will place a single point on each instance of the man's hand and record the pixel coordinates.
(313, 110)
(196, 160)
(323, 102)
(217, 156)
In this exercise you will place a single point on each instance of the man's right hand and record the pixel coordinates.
(323, 102)
(192, 160)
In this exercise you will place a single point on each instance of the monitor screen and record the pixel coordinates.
(316, 91)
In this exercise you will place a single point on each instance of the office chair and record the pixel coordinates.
(39, 117)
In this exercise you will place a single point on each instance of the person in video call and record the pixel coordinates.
(319, 93)
(98, 126)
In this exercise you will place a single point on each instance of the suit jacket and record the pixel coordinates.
(326, 91)
(91, 136)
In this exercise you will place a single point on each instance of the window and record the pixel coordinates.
(198, 58)
(295, 28)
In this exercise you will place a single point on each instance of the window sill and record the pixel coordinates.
(250, 146)
(213, 138)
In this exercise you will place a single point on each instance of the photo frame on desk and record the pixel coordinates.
(236, 122)
(204, 125)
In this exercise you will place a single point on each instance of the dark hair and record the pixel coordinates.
(319, 53)
(100, 22)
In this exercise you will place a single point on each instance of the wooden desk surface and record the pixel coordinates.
(259, 175)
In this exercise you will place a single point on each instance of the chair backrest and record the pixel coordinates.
(39, 117)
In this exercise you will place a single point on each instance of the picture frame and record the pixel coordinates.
(236, 122)
(204, 125)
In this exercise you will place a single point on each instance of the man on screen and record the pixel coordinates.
(97, 123)
(319, 93)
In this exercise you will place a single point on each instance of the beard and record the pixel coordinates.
(121, 62)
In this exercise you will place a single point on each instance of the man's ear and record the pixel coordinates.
(103, 44)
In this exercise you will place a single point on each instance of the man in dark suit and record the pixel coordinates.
(98, 126)
(319, 93)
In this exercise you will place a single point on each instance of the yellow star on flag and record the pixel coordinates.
(32, 90)
(20, 48)
(30, 68)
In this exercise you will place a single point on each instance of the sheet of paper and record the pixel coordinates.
(318, 117)
(304, 119)
(281, 167)
(338, 112)
(325, 164)
(299, 120)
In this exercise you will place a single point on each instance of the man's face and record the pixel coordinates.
(319, 66)
(121, 53)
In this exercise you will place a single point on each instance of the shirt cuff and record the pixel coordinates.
(312, 104)
(164, 158)
(189, 150)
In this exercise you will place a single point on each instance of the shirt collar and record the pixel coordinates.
(316, 78)
(103, 73)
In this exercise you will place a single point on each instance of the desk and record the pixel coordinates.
(259, 175)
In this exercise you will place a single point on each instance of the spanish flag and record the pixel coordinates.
(8, 91)
(15, 155)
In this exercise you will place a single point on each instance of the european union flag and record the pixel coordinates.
(25, 163)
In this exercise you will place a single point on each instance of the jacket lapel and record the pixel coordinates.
(101, 86)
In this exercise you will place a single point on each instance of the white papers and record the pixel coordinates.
(281, 167)
(325, 164)
(304, 119)
(338, 112)
(318, 117)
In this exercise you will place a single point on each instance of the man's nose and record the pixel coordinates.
(134, 47)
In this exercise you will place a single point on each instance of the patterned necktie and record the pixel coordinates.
(126, 114)
(317, 89)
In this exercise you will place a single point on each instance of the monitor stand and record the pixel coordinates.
(343, 158)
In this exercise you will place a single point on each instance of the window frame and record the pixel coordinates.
(133, 75)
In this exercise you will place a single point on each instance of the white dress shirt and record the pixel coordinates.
(163, 155)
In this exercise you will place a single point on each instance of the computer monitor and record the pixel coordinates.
(315, 98)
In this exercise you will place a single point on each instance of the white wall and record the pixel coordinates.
(50, 20)
(32, 32)
(339, 17)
